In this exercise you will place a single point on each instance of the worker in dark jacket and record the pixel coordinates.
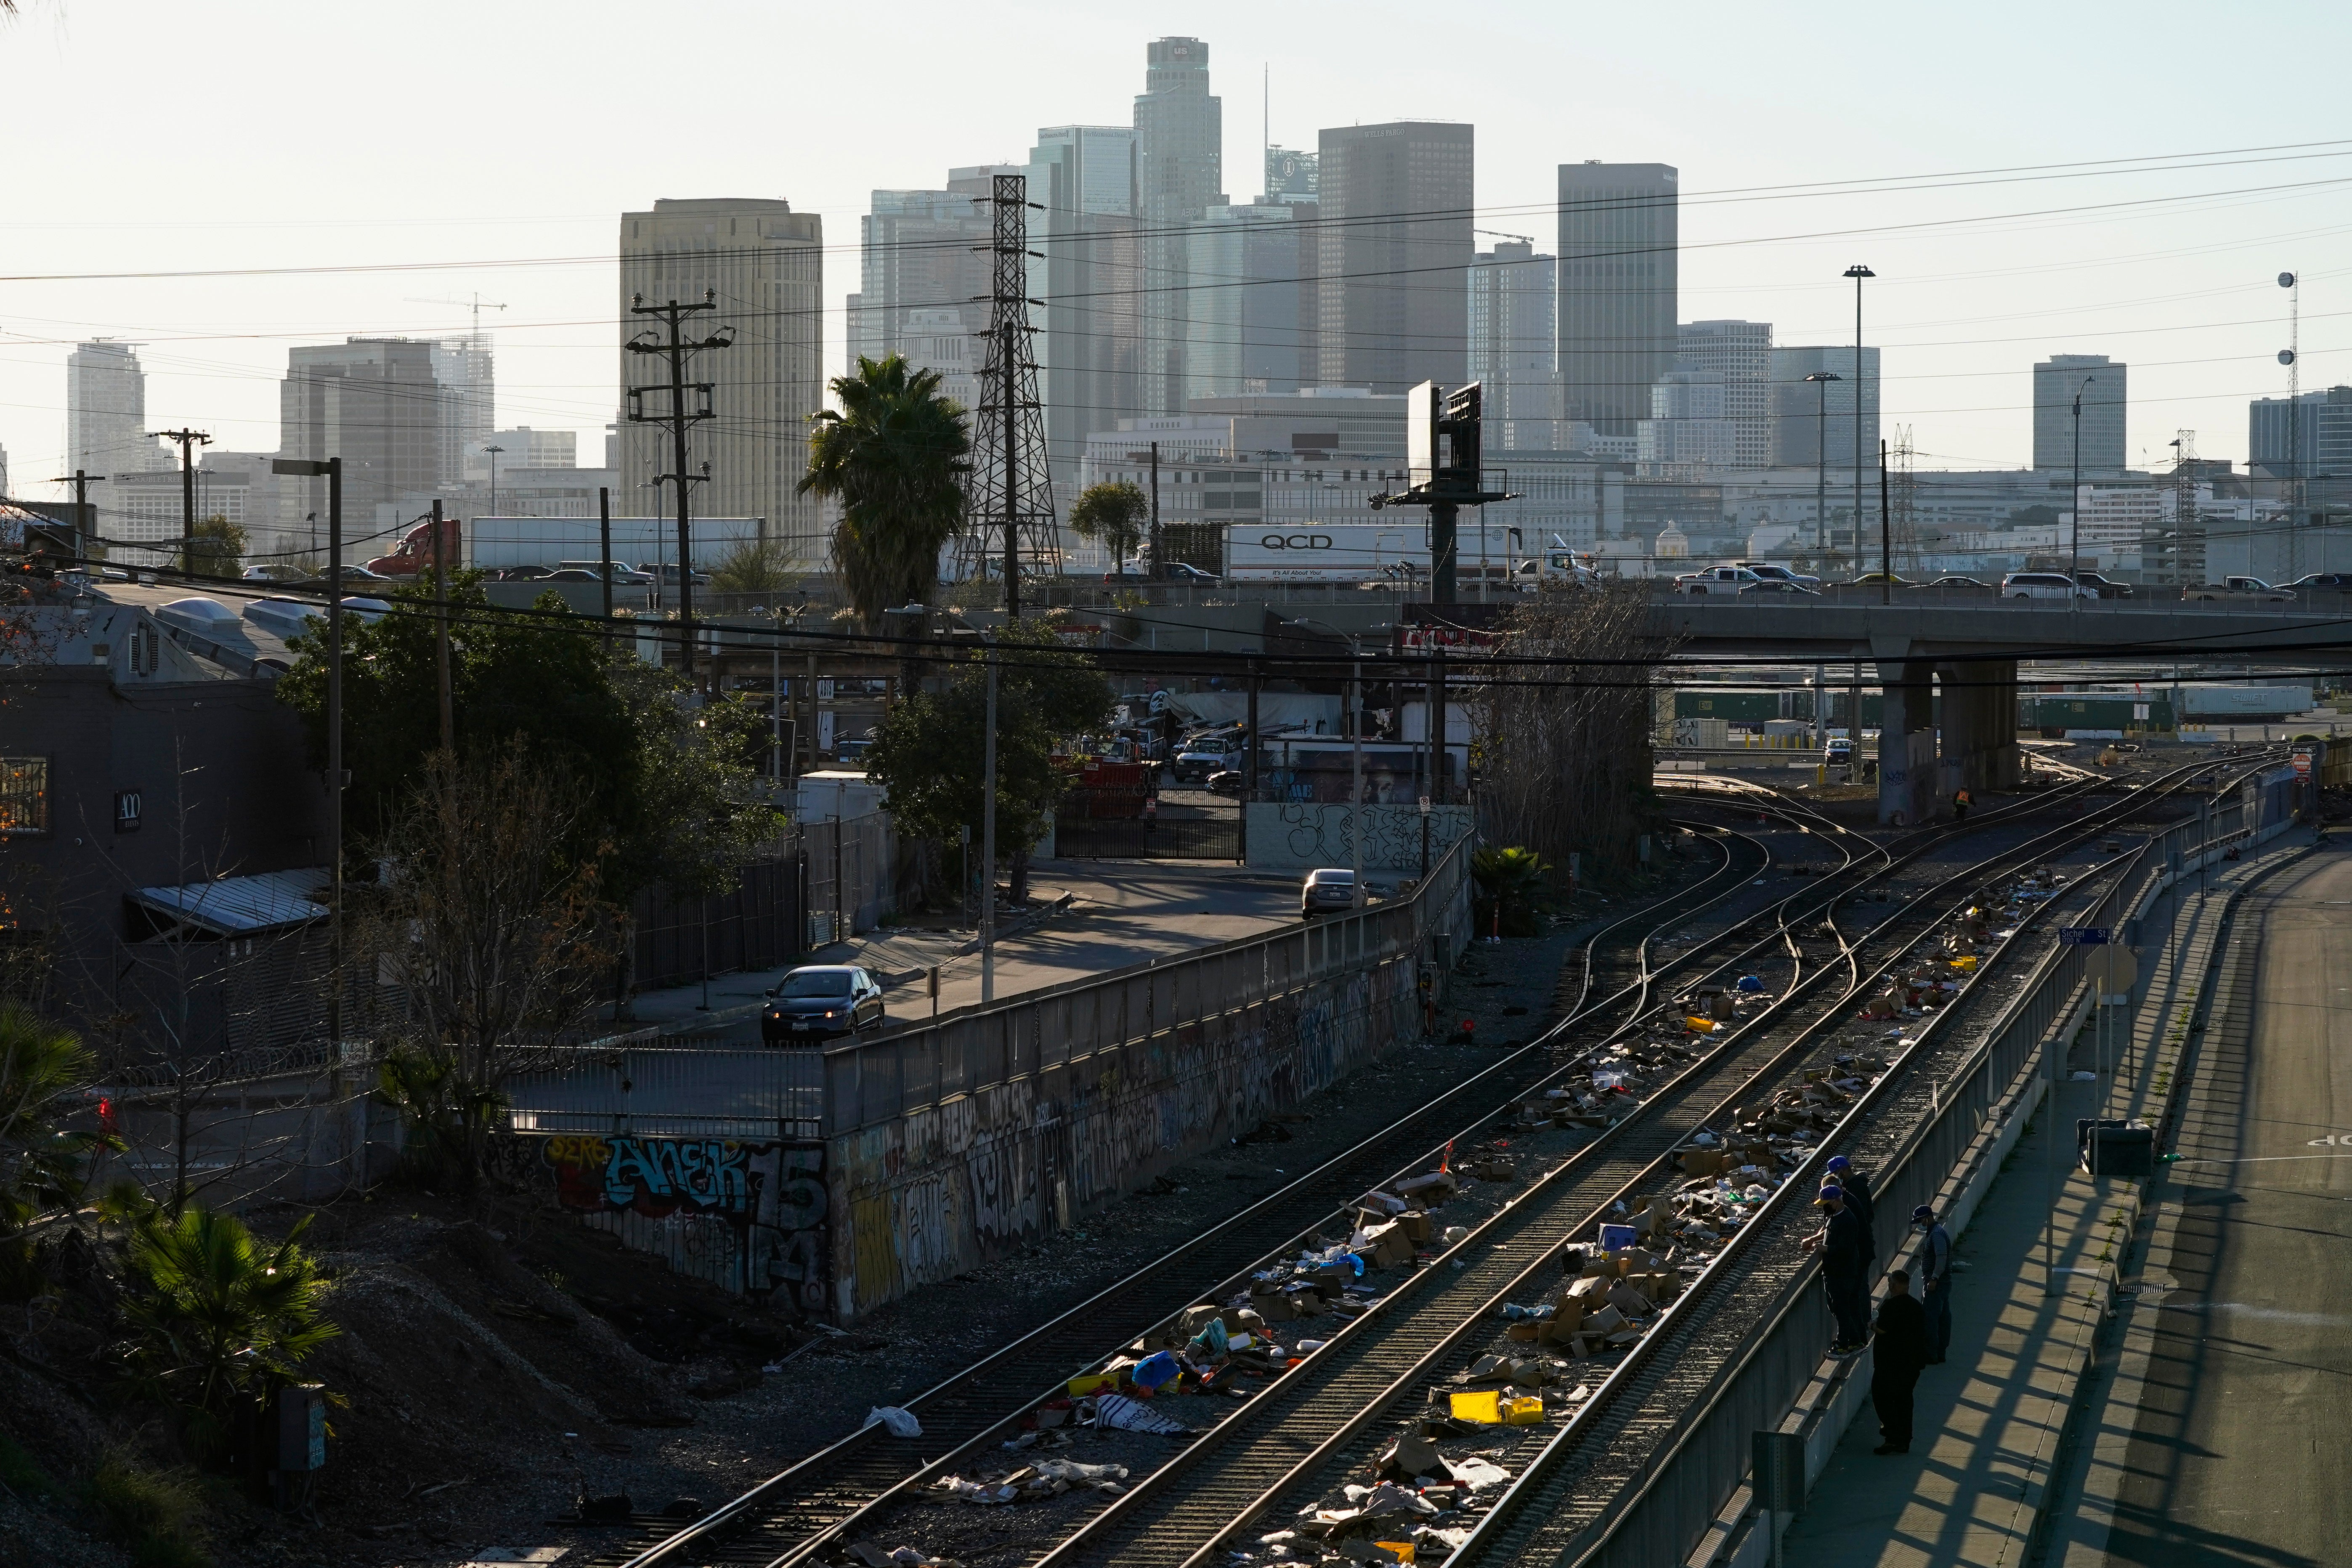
(1897, 1355)
(1856, 1188)
(1935, 1280)
(1845, 1271)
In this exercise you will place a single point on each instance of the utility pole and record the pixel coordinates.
(677, 349)
(441, 631)
(1886, 536)
(1861, 383)
(605, 555)
(332, 470)
(1159, 561)
(188, 440)
(85, 521)
(988, 834)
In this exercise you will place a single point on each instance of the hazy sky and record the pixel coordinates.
(437, 149)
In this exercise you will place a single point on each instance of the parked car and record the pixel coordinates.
(621, 572)
(1229, 784)
(1872, 579)
(279, 572)
(2044, 586)
(1961, 582)
(1185, 572)
(573, 574)
(2252, 590)
(520, 573)
(1838, 751)
(2103, 587)
(821, 1001)
(1325, 890)
(1716, 580)
(1771, 573)
(2320, 583)
(656, 573)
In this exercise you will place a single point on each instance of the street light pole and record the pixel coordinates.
(494, 449)
(988, 833)
(2074, 509)
(1822, 459)
(1857, 272)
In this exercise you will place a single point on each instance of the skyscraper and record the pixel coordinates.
(1686, 434)
(1290, 175)
(1740, 352)
(462, 366)
(916, 253)
(2055, 382)
(1797, 434)
(766, 264)
(373, 403)
(1245, 330)
(1394, 254)
(106, 421)
(1089, 271)
(1513, 349)
(2318, 440)
(1180, 134)
(1619, 233)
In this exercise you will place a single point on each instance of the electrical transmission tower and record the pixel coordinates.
(2183, 559)
(680, 405)
(1011, 509)
(1906, 504)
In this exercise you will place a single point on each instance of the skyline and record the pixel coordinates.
(2181, 289)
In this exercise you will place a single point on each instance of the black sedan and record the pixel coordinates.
(821, 1001)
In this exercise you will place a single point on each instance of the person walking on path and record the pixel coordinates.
(1856, 1188)
(1961, 801)
(1846, 1266)
(1935, 1280)
(1897, 1356)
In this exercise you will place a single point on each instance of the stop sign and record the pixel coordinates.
(2302, 765)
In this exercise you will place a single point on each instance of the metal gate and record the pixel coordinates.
(1133, 839)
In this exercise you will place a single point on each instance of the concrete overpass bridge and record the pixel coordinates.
(1971, 649)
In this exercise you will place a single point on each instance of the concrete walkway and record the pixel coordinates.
(1988, 1423)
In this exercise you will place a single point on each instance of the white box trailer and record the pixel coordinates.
(1372, 551)
(493, 543)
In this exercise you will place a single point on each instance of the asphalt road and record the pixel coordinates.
(2242, 1444)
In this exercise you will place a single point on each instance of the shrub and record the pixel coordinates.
(158, 1514)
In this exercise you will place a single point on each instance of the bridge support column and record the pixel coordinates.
(1906, 742)
(1978, 723)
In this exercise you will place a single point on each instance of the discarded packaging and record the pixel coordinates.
(1126, 1415)
(901, 1423)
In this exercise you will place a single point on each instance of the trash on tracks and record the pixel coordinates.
(1034, 1482)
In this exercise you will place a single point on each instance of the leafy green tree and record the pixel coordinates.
(668, 794)
(931, 751)
(44, 1164)
(215, 1316)
(1112, 514)
(894, 458)
(215, 550)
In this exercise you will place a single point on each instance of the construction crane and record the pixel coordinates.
(477, 304)
(1499, 233)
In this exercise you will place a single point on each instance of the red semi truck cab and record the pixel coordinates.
(413, 556)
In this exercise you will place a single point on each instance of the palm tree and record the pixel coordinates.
(893, 457)
(44, 1164)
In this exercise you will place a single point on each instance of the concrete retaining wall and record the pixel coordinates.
(933, 1193)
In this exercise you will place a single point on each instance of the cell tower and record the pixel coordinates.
(1011, 498)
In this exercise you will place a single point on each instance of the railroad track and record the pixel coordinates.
(803, 1504)
(827, 1497)
(1319, 1424)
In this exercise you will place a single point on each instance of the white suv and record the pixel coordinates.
(1716, 580)
(2044, 586)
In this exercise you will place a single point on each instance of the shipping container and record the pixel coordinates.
(2119, 712)
(1366, 552)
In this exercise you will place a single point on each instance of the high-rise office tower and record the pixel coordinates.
(1393, 256)
(467, 376)
(1514, 350)
(916, 253)
(1180, 134)
(1687, 433)
(1619, 231)
(1245, 331)
(1741, 353)
(2102, 383)
(1089, 270)
(766, 264)
(373, 402)
(1798, 436)
(106, 420)
(1290, 175)
(2315, 440)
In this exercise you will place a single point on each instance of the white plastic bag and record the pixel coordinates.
(901, 1423)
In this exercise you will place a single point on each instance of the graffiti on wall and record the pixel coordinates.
(750, 1217)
